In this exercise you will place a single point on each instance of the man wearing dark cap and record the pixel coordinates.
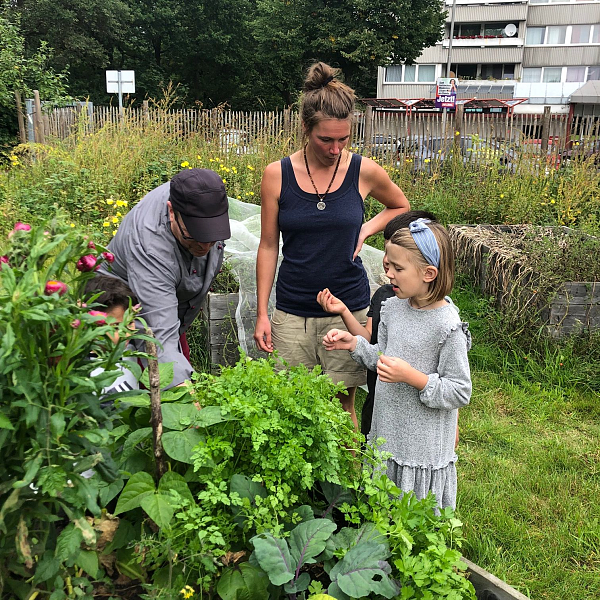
(168, 250)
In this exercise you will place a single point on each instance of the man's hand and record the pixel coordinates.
(262, 334)
(337, 339)
(329, 303)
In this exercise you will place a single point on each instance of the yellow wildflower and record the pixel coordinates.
(501, 195)
(185, 164)
(198, 157)
(105, 224)
(72, 224)
(552, 201)
(457, 133)
(110, 201)
(250, 167)
(427, 160)
(394, 37)
(115, 220)
(224, 180)
(187, 591)
(13, 158)
(114, 232)
(119, 214)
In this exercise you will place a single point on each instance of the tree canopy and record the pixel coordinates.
(247, 53)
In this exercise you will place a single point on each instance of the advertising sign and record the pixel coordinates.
(445, 92)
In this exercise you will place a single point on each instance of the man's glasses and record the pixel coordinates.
(179, 224)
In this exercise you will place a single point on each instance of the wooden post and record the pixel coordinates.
(545, 130)
(20, 119)
(458, 124)
(368, 139)
(286, 121)
(156, 413)
(38, 122)
(145, 113)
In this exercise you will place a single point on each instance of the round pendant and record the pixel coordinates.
(321, 205)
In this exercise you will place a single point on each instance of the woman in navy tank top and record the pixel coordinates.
(314, 199)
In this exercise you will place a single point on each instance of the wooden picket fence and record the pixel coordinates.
(390, 137)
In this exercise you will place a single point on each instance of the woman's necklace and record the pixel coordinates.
(321, 204)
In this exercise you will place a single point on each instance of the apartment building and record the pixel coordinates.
(541, 50)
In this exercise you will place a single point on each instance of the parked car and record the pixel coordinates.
(381, 145)
(424, 152)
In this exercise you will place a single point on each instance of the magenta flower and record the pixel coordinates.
(3, 260)
(22, 226)
(98, 313)
(108, 257)
(91, 246)
(55, 287)
(86, 263)
(75, 323)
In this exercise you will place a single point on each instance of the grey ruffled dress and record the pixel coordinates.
(420, 426)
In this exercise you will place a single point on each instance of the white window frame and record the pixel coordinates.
(563, 75)
(437, 71)
(594, 27)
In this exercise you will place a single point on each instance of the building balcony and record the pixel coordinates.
(546, 93)
(484, 2)
(484, 42)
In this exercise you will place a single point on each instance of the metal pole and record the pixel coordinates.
(449, 63)
(121, 92)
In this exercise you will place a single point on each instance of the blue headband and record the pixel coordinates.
(425, 241)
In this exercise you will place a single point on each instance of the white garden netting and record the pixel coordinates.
(240, 254)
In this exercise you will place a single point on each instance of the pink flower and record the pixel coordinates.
(3, 260)
(98, 313)
(108, 256)
(22, 226)
(91, 246)
(55, 287)
(75, 323)
(86, 263)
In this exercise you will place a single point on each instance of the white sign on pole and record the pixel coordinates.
(125, 80)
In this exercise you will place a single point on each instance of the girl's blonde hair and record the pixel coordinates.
(325, 97)
(442, 285)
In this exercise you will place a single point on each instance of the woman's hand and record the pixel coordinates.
(338, 339)
(329, 303)
(262, 334)
(361, 240)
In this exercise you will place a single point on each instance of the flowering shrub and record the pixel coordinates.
(52, 428)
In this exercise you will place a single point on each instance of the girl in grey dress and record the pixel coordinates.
(421, 363)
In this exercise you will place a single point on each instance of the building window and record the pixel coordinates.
(593, 73)
(575, 74)
(596, 34)
(393, 74)
(556, 34)
(535, 35)
(580, 34)
(552, 74)
(426, 73)
(410, 74)
(532, 75)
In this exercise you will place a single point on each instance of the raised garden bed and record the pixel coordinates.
(222, 338)
(499, 260)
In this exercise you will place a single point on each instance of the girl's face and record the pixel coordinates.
(407, 279)
(328, 138)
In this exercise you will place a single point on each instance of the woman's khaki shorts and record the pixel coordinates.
(299, 340)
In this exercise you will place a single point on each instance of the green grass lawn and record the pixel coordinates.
(529, 463)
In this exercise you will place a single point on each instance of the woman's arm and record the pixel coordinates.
(268, 253)
(374, 181)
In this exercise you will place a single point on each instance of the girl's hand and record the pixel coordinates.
(329, 303)
(393, 370)
(337, 339)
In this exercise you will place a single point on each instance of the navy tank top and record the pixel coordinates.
(318, 245)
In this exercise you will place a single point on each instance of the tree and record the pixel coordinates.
(355, 35)
(23, 72)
